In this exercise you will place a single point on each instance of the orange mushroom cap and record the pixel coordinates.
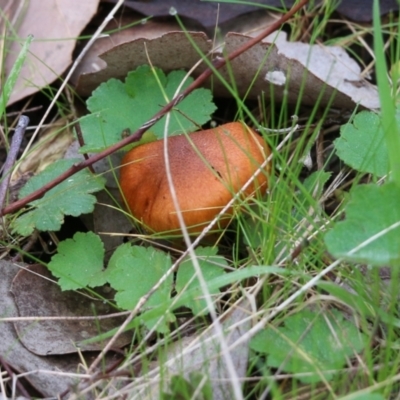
(208, 167)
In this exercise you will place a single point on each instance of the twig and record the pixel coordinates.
(12, 156)
(18, 383)
(27, 246)
(27, 110)
(217, 64)
(81, 142)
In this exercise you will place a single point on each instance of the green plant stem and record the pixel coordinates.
(388, 109)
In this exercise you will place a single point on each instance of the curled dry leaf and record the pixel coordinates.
(170, 51)
(144, 29)
(55, 26)
(315, 72)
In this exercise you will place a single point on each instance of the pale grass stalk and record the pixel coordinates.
(236, 387)
(3, 379)
(55, 373)
(84, 318)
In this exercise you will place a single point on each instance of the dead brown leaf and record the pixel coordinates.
(201, 354)
(317, 73)
(148, 29)
(55, 26)
(36, 295)
(18, 356)
(314, 72)
(205, 14)
(52, 145)
(170, 51)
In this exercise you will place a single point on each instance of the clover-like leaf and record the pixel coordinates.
(362, 144)
(71, 197)
(79, 262)
(134, 270)
(118, 107)
(372, 219)
(310, 342)
(211, 266)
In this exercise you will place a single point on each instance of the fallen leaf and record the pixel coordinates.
(200, 354)
(361, 10)
(18, 356)
(170, 52)
(207, 14)
(52, 145)
(36, 293)
(294, 69)
(55, 27)
(314, 72)
(144, 29)
(107, 220)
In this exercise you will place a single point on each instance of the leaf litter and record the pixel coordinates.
(55, 27)
(49, 375)
(297, 69)
(49, 337)
(277, 75)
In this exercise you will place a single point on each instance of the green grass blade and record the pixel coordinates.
(388, 108)
(14, 73)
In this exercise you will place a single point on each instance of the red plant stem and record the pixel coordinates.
(219, 63)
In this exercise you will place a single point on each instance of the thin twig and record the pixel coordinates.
(18, 383)
(27, 247)
(219, 63)
(12, 156)
(26, 110)
(81, 142)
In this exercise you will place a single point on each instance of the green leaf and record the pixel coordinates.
(362, 144)
(371, 210)
(134, 270)
(365, 396)
(180, 388)
(174, 303)
(79, 262)
(71, 197)
(310, 342)
(212, 266)
(117, 107)
(314, 184)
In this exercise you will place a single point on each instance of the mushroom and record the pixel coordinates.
(208, 168)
